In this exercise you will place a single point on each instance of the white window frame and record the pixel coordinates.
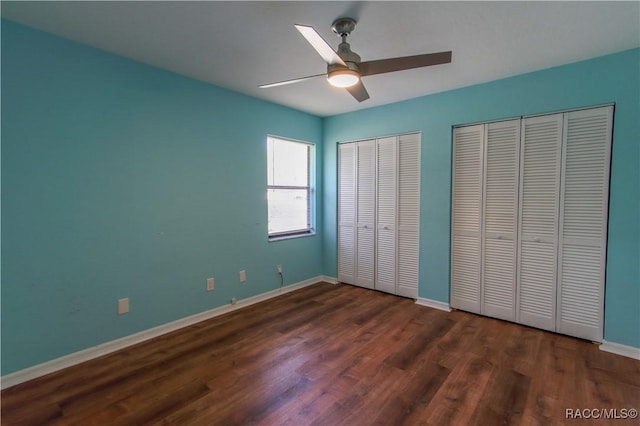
(309, 230)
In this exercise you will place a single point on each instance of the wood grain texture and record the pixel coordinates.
(336, 355)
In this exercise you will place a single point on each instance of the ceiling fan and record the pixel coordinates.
(344, 67)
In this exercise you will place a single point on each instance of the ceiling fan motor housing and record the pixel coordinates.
(347, 55)
(350, 65)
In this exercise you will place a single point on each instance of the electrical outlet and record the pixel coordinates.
(123, 306)
(234, 300)
(210, 284)
(279, 269)
(243, 276)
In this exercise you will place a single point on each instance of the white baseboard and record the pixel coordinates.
(133, 339)
(435, 304)
(330, 280)
(618, 349)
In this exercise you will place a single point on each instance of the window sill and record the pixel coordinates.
(291, 236)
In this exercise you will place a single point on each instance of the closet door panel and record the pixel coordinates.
(408, 214)
(538, 220)
(500, 219)
(466, 215)
(386, 215)
(365, 213)
(346, 212)
(583, 222)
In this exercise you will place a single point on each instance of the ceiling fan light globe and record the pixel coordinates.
(343, 78)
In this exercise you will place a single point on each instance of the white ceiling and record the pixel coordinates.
(240, 45)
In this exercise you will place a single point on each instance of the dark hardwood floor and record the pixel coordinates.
(336, 355)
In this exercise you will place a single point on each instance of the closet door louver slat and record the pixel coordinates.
(346, 213)
(500, 218)
(468, 146)
(408, 214)
(538, 220)
(583, 222)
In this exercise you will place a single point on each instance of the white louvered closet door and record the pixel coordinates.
(408, 214)
(386, 215)
(466, 215)
(583, 222)
(500, 207)
(538, 224)
(365, 213)
(347, 213)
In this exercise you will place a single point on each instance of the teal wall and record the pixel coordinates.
(122, 180)
(612, 78)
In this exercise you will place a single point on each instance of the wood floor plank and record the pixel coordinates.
(335, 355)
(404, 399)
(459, 395)
(504, 400)
(410, 349)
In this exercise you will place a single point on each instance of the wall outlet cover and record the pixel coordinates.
(123, 306)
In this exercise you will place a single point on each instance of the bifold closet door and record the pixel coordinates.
(538, 222)
(500, 216)
(408, 214)
(466, 215)
(365, 213)
(347, 213)
(386, 215)
(583, 222)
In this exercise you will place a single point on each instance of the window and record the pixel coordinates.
(289, 195)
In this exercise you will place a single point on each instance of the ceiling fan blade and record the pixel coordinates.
(358, 91)
(295, 80)
(405, 63)
(321, 46)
